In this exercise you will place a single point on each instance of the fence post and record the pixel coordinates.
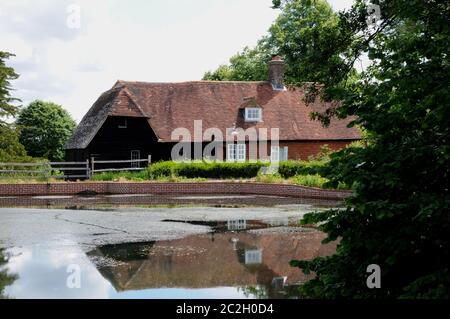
(47, 170)
(88, 173)
(149, 160)
(92, 166)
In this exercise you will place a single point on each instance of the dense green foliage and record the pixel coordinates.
(214, 170)
(44, 129)
(398, 217)
(6, 75)
(10, 148)
(301, 26)
(289, 169)
(219, 170)
(248, 65)
(177, 171)
(162, 169)
(200, 171)
(124, 175)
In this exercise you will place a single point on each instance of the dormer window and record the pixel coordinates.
(253, 114)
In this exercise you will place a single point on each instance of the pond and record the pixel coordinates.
(194, 250)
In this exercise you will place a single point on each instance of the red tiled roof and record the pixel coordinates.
(218, 104)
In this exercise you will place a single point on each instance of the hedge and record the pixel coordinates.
(292, 168)
(216, 170)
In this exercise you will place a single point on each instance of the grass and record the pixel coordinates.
(25, 179)
(141, 176)
(292, 172)
(310, 180)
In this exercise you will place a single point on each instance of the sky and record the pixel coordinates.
(70, 51)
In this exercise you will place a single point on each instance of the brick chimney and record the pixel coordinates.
(276, 72)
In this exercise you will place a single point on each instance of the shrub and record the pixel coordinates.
(162, 169)
(310, 180)
(217, 170)
(112, 176)
(289, 169)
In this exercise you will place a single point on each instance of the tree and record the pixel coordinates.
(301, 27)
(44, 129)
(10, 148)
(248, 65)
(398, 216)
(6, 75)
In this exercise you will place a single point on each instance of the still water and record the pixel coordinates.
(233, 258)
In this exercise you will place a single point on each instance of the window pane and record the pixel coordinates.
(275, 153)
(240, 152)
(231, 152)
(253, 114)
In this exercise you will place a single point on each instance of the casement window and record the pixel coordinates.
(253, 114)
(236, 152)
(253, 256)
(278, 154)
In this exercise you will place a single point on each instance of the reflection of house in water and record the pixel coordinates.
(278, 222)
(237, 224)
(230, 260)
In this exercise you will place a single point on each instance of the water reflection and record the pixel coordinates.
(257, 264)
(234, 262)
(6, 279)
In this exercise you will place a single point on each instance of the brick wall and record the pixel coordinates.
(169, 189)
(303, 149)
(297, 150)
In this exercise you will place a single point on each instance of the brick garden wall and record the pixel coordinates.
(169, 189)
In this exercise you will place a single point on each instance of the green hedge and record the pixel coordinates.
(292, 168)
(112, 176)
(162, 169)
(217, 170)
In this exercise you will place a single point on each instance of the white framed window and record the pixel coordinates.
(253, 256)
(274, 153)
(253, 114)
(279, 153)
(284, 154)
(231, 152)
(240, 152)
(236, 152)
(135, 156)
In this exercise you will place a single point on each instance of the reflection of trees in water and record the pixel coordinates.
(271, 292)
(5, 278)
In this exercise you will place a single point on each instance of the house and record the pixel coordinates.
(223, 259)
(135, 119)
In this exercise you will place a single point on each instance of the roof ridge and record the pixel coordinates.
(123, 82)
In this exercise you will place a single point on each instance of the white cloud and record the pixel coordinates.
(145, 40)
(140, 41)
(42, 273)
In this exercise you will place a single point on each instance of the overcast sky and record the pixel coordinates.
(72, 63)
